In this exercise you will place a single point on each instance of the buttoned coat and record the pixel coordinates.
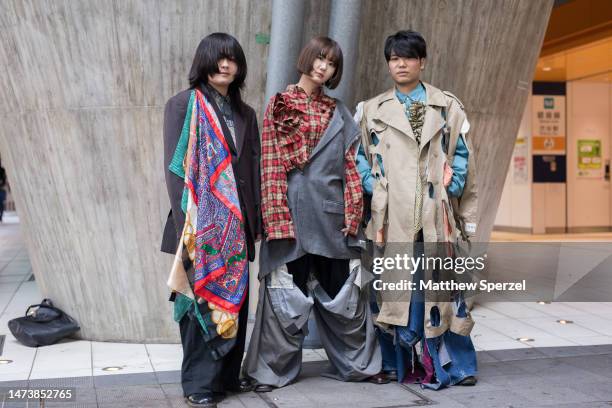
(393, 199)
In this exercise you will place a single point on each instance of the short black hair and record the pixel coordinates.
(213, 48)
(407, 44)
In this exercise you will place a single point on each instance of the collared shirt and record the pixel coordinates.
(293, 124)
(225, 106)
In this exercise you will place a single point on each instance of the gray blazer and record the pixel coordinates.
(315, 197)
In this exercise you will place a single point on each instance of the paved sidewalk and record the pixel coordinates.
(561, 364)
(547, 377)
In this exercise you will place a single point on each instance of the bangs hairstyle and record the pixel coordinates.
(321, 47)
(213, 48)
(406, 44)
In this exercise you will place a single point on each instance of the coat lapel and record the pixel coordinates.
(335, 125)
(391, 112)
(239, 129)
(434, 121)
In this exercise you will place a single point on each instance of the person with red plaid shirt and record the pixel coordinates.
(312, 204)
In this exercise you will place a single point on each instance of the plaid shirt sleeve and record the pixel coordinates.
(275, 210)
(353, 194)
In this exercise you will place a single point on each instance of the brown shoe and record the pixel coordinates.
(379, 379)
(468, 381)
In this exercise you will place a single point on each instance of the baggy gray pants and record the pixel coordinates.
(274, 356)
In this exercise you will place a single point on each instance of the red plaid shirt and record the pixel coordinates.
(293, 125)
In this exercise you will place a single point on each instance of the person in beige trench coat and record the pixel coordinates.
(411, 137)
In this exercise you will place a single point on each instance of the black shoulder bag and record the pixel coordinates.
(43, 324)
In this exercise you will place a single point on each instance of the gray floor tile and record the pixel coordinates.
(131, 393)
(497, 369)
(598, 391)
(549, 392)
(180, 403)
(492, 400)
(137, 404)
(485, 357)
(516, 354)
(66, 382)
(600, 404)
(172, 390)
(168, 377)
(125, 379)
(13, 384)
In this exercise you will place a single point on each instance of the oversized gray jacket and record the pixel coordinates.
(315, 196)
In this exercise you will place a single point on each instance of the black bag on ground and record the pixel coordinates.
(42, 326)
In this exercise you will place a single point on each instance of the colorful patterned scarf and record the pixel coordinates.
(213, 234)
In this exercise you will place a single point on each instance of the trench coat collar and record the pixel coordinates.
(391, 112)
(436, 103)
(335, 125)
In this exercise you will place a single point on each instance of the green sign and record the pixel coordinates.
(549, 103)
(262, 38)
(589, 154)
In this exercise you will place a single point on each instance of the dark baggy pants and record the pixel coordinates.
(200, 372)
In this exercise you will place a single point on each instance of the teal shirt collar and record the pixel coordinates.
(417, 94)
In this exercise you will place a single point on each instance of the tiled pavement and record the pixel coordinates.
(574, 377)
(565, 365)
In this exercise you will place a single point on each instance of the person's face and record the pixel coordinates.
(322, 70)
(227, 73)
(405, 70)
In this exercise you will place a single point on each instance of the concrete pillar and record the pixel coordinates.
(82, 89)
(285, 44)
(344, 27)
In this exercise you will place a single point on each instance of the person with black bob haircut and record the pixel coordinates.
(211, 161)
(417, 164)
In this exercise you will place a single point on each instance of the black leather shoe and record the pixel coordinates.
(263, 388)
(204, 400)
(379, 379)
(468, 381)
(245, 385)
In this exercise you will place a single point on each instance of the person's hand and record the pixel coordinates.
(345, 231)
(258, 237)
(380, 236)
(448, 174)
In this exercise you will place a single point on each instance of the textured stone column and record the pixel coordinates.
(285, 44)
(82, 89)
(344, 27)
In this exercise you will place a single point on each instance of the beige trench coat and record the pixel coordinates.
(393, 199)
